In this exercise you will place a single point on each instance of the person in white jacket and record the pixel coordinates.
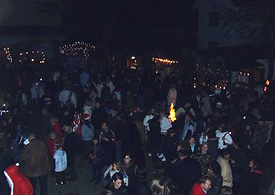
(146, 120)
(164, 123)
(224, 137)
(60, 157)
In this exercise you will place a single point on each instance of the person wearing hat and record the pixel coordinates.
(87, 134)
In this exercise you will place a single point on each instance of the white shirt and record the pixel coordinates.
(146, 121)
(227, 139)
(165, 125)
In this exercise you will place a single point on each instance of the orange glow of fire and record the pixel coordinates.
(267, 82)
(265, 89)
(172, 113)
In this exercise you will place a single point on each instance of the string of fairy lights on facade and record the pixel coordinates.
(35, 56)
(164, 61)
(76, 48)
(8, 54)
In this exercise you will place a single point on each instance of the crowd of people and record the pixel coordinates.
(117, 120)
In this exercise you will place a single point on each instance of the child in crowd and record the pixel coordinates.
(60, 158)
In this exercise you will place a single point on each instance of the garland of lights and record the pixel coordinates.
(8, 54)
(76, 47)
(164, 61)
(35, 56)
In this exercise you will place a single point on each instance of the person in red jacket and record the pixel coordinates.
(202, 187)
(19, 184)
(56, 127)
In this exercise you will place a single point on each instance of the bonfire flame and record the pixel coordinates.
(172, 113)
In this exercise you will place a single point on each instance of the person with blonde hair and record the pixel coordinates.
(158, 187)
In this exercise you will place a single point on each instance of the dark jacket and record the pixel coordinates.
(213, 148)
(186, 173)
(169, 148)
(97, 153)
(98, 116)
(72, 145)
(216, 185)
(251, 183)
(140, 188)
(120, 191)
(109, 147)
(35, 159)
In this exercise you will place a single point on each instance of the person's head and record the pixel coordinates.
(226, 191)
(127, 159)
(187, 104)
(183, 154)
(152, 111)
(53, 120)
(117, 180)
(253, 164)
(31, 136)
(157, 187)
(205, 182)
(52, 135)
(159, 172)
(113, 112)
(59, 147)
(107, 192)
(44, 111)
(104, 126)
(162, 113)
(183, 145)
(188, 117)
(204, 148)
(191, 140)
(95, 140)
(213, 167)
(97, 103)
(225, 153)
(170, 133)
(221, 127)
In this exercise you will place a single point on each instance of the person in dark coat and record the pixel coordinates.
(139, 184)
(185, 171)
(117, 186)
(212, 145)
(107, 140)
(98, 116)
(155, 137)
(130, 167)
(45, 123)
(214, 171)
(72, 145)
(251, 182)
(169, 146)
(35, 161)
(96, 156)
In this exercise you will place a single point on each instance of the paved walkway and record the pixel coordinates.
(82, 186)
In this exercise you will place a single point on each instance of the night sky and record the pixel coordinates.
(124, 21)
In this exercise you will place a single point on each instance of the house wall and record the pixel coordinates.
(214, 36)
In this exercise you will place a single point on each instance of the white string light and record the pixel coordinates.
(76, 47)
